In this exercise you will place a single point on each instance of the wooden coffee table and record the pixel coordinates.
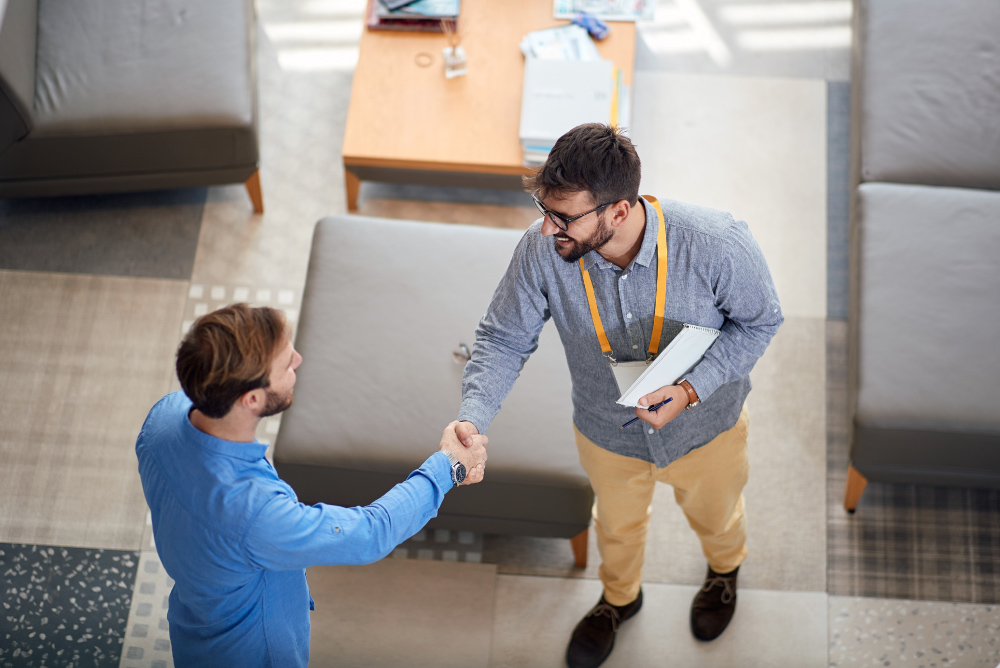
(408, 123)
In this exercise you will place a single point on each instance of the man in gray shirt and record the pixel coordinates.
(649, 268)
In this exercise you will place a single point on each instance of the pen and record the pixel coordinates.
(651, 408)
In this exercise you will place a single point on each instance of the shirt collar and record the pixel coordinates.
(647, 251)
(250, 452)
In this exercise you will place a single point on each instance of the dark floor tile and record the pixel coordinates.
(64, 606)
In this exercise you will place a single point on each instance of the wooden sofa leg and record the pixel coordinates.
(855, 486)
(579, 543)
(253, 189)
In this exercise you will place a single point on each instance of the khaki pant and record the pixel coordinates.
(708, 486)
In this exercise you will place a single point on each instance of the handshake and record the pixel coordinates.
(462, 440)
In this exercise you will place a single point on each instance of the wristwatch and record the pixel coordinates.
(692, 395)
(457, 469)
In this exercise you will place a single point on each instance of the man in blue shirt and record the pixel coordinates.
(231, 534)
(620, 275)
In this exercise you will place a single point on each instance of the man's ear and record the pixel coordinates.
(252, 400)
(619, 212)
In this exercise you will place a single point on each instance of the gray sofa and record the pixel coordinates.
(386, 305)
(101, 96)
(924, 372)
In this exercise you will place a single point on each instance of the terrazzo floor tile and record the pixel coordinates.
(83, 359)
(755, 147)
(913, 634)
(535, 616)
(63, 606)
(402, 612)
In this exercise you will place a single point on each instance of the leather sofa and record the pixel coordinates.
(102, 96)
(386, 308)
(924, 364)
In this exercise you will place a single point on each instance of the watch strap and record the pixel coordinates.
(692, 395)
(452, 463)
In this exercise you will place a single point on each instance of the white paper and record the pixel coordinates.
(679, 357)
(626, 373)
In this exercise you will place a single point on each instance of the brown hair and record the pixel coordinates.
(592, 157)
(228, 353)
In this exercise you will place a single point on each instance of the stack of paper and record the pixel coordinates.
(566, 83)
(421, 15)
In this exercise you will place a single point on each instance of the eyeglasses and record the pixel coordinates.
(559, 221)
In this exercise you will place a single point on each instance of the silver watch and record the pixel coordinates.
(458, 471)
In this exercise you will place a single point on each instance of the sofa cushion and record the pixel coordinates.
(18, 30)
(929, 291)
(385, 305)
(126, 87)
(927, 91)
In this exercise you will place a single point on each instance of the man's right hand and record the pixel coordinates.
(472, 455)
(466, 430)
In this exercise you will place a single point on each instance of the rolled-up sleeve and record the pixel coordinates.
(287, 535)
(746, 297)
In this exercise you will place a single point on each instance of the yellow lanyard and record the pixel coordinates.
(661, 292)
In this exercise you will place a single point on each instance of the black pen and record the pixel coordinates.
(651, 408)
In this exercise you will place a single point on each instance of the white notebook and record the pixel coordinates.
(681, 354)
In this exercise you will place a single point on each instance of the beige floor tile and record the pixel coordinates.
(402, 612)
(786, 494)
(755, 147)
(536, 615)
(83, 358)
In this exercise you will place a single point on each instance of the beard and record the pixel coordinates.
(601, 236)
(276, 403)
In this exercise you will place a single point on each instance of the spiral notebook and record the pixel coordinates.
(683, 352)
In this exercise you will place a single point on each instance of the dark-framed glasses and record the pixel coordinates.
(559, 221)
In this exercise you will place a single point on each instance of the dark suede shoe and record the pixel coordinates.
(594, 637)
(714, 605)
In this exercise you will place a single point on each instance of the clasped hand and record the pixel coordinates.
(470, 451)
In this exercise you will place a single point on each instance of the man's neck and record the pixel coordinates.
(233, 427)
(625, 245)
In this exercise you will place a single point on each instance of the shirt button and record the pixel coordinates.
(628, 315)
(651, 430)
(635, 347)
(337, 529)
(624, 277)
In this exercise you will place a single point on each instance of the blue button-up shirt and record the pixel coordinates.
(717, 277)
(236, 540)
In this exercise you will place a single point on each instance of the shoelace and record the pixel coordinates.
(728, 593)
(607, 610)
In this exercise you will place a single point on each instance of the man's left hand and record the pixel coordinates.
(664, 414)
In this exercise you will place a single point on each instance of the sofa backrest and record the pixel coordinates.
(18, 39)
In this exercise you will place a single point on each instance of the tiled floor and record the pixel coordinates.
(740, 106)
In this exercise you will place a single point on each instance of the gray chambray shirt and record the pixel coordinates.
(717, 277)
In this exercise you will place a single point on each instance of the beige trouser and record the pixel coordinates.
(708, 486)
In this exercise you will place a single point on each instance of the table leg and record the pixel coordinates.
(353, 186)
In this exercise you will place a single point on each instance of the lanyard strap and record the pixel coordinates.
(661, 291)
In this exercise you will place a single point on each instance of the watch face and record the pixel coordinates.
(459, 470)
